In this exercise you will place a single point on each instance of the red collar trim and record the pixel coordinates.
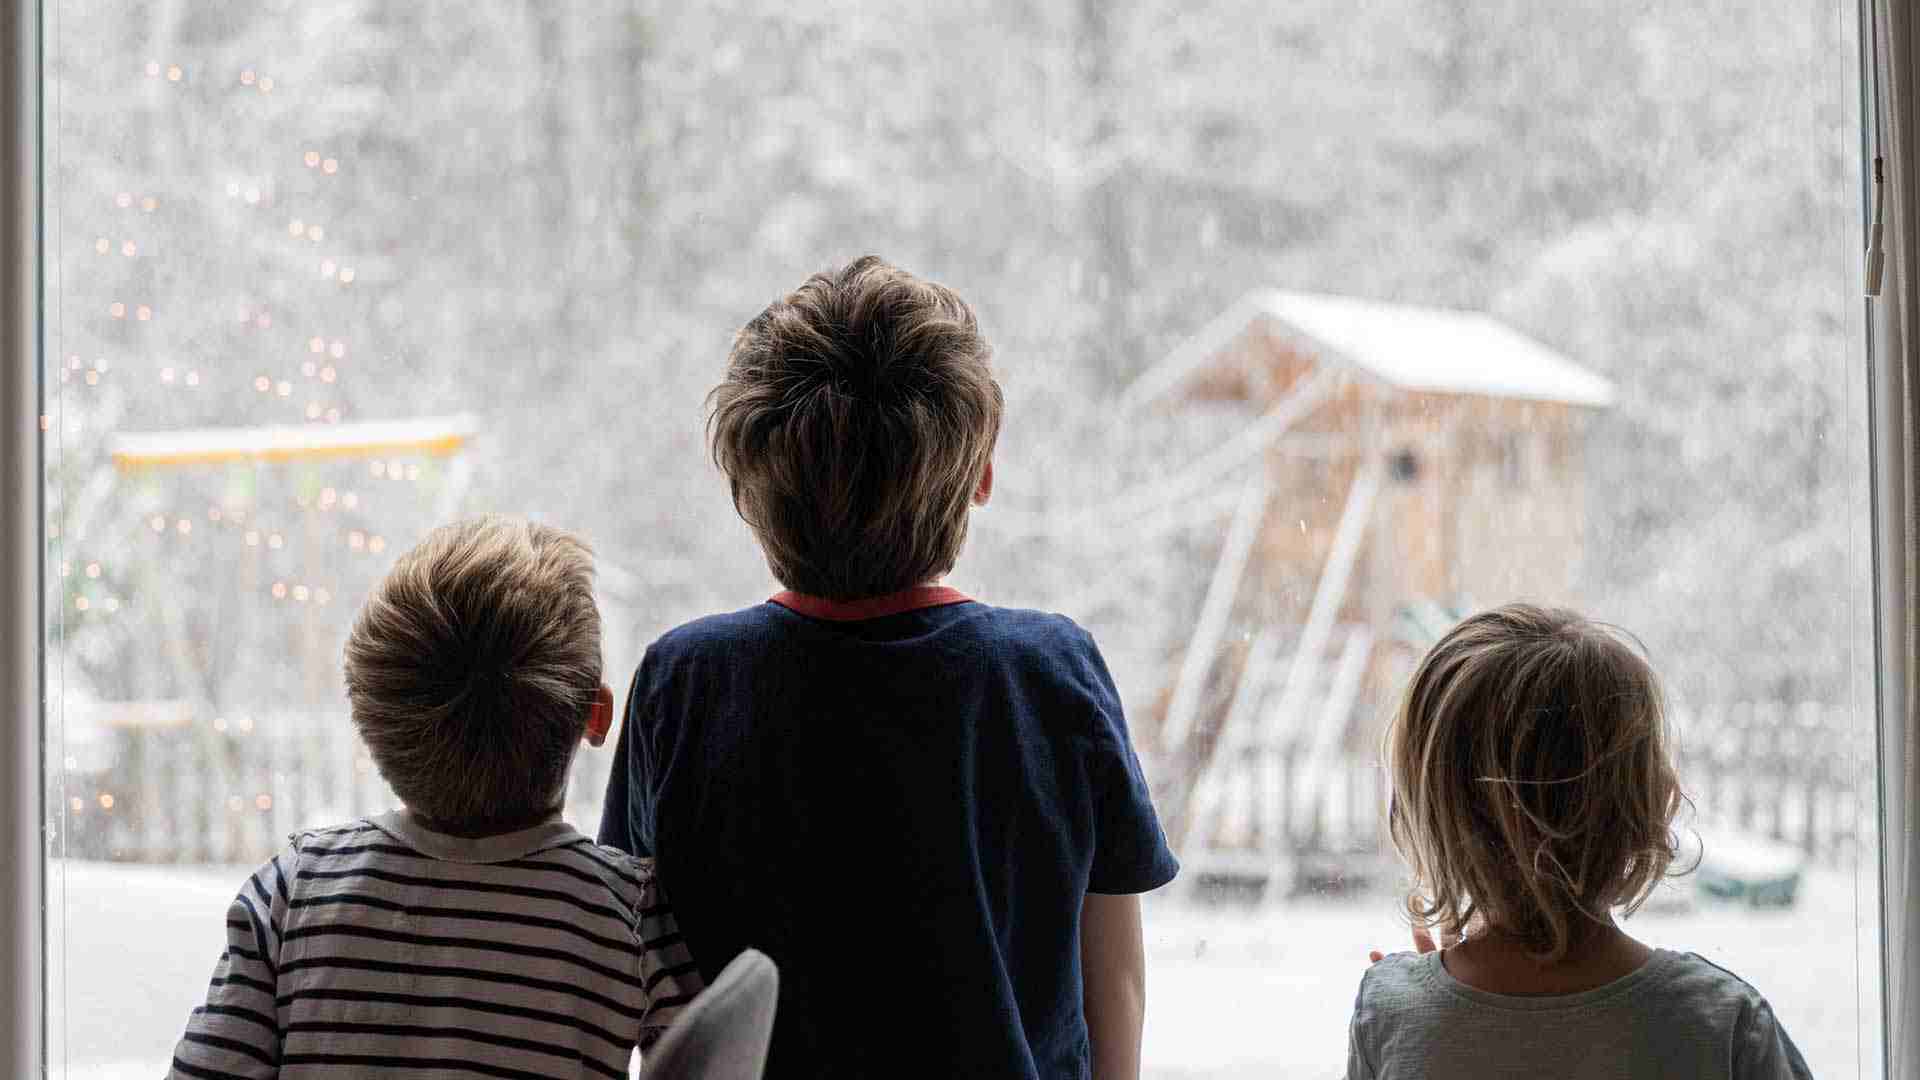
(870, 607)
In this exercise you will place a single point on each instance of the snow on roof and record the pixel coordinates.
(1414, 348)
(440, 435)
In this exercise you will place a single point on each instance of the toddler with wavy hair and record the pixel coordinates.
(1533, 799)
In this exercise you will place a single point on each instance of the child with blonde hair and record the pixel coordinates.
(1533, 799)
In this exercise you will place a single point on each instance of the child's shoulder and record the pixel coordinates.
(1672, 983)
(1688, 977)
(629, 876)
(1041, 629)
(1049, 649)
(334, 839)
(1396, 980)
(724, 630)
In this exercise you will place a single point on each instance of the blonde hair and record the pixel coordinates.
(472, 668)
(855, 421)
(1532, 788)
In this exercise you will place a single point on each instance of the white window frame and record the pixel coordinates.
(1888, 104)
(1897, 726)
(23, 846)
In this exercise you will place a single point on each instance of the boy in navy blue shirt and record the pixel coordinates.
(924, 808)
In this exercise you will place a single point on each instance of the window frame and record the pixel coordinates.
(1892, 450)
(1894, 728)
(22, 679)
(23, 900)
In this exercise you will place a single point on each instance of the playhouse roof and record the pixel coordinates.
(439, 435)
(1413, 348)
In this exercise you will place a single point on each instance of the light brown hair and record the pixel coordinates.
(471, 671)
(856, 418)
(1532, 789)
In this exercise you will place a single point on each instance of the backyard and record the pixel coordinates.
(1320, 324)
(1232, 994)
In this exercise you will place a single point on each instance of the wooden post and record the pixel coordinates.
(1350, 829)
(1215, 611)
(1702, 756)
(1328, 597)
(226, 841)
(283, 778)
(1776, 740)
(1229, 760)
(1284, 828)
(1326, 749)
(1810, 759)
(1207, 473)
(1745, 760)
(256, 768)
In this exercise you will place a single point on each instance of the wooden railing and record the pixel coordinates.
(1800, 775)
(230, 789)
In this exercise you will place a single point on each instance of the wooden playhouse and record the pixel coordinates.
(1412, 462)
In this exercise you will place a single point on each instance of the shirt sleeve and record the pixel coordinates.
(667, 970)
(626, 817)
(1763, 1051)
(1357, 1066)
(237, 1032)
(1130, 848)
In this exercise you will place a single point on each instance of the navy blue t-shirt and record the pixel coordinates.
(905, 811)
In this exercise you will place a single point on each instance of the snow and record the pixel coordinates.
(1752, 858)
(1233, 992)
(1435, 349)
(1413, 348)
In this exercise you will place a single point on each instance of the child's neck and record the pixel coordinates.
(1498, 963)
(483, 831)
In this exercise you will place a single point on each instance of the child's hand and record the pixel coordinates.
(1422, 942)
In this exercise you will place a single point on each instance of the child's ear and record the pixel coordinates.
(985, 491)
(600, 717)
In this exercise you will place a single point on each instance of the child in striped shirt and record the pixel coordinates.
(472, 931)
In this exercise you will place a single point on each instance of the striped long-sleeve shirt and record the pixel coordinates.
(381, 946)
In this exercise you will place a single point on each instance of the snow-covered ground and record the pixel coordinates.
(1239, 995)
(1233, 992)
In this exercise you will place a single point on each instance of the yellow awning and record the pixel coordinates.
(437, 436)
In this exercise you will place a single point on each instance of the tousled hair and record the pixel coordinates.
(471, 671)
(1532, 788)
(855, 421)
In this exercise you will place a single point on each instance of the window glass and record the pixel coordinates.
(1321, 324)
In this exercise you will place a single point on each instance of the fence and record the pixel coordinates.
(1265, 800)
(230, 789)
(1800, 775)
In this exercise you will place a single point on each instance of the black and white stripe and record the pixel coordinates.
(381, 947)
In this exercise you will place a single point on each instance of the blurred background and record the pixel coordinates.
(1321, 324)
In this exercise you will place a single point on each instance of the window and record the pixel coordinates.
(1282, 295)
